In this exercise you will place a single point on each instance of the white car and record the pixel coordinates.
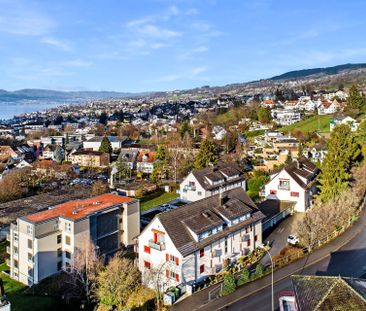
(292, 239)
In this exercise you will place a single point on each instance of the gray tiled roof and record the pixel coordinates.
(204, 214)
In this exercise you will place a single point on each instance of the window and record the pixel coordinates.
(15, 250)
(30, 271)
(225, 245)
(30, 243)
(256, 238)
(295, 194)
(202, 252)
(30, 257)
(15, 263)
(147, 249)
(68, 255)
(202, 268)
(67, 240)
(199, 193)
(59, 265)
(248, 243)
(59, 238)
(59, 252)
(68, 226)
(147, 264)
(29, 229)
(284, 184)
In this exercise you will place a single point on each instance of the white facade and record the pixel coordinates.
(285, 117)
(175, 268)
(345, 120)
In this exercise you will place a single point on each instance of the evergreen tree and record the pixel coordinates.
(59, 154)
(288, 158)
(355, 102)
(264, 115)
(336, 167)
(105, 145)
(207, 155)
(103, 118)
(122, 168)
(244, 277)
(229, 285)
(185, 128)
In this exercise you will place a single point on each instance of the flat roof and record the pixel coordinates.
(78, 209)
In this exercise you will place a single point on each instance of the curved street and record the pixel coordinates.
(344, 256)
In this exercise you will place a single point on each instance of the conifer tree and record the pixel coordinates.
(207, 155)
(336, 167)
(105, 145)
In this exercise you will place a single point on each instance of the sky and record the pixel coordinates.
(158, 45)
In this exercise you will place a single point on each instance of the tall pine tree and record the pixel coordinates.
(105, 145)
(207, 155)
(355, 102)
(336, 168)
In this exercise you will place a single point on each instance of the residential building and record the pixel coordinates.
(208, 181)
(352, 123)
(129, 157)
(327, 107)
(49, 152)
(295, 182)
(285, 117)
(145, 161)
(196, 240)
(44, 243)
(95, 142)
(90, 158)
(319, 293)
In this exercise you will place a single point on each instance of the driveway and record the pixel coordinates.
(278, 237)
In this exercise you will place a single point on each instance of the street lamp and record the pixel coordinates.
(270, 257)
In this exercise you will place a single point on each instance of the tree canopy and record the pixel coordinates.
(105, 145)
(207, 155)
(336, 169)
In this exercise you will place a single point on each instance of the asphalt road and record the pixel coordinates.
(349, 260)
(344, 256)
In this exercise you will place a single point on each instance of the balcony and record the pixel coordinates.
(8, 250)
(160, 246)
(8, 237)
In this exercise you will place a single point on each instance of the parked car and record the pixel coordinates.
(292, 239)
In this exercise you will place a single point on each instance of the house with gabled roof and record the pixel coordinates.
(196, 240)
(202, 183)
(295, 182)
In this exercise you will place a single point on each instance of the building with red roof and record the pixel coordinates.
(43, 243)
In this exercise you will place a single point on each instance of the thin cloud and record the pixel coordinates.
(63, 45)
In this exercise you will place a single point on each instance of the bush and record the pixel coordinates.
(244, 277)
(259, 270)
(229, 285)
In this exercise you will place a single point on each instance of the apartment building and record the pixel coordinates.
(208, 181)
(44, 243)
(90, 158)
(196, 240)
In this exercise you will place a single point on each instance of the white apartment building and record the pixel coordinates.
(43, 243)
(95, 142)
(208, 181)
(352, 123)
(194, 241)
(294, 183)
(285, 117)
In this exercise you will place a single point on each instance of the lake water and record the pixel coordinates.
(9, 110)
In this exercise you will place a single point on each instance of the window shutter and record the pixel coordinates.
(167, 273)
(177, 261)
(167, 257)
(177, 277)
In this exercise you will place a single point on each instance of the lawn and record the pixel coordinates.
(149, 202)
(313, 124)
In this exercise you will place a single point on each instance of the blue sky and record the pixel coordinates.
(150, 45)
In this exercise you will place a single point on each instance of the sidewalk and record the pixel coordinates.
(199, 301)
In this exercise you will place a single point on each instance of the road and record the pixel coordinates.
(344, 256)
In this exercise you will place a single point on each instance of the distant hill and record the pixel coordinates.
(299, 74)
(59, 96)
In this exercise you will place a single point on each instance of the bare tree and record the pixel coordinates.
(98, 188)
(83, 271)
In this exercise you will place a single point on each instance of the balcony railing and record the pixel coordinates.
(8, 250)
(8, 237)
(160, 246)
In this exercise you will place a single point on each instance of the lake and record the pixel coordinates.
(9, 110)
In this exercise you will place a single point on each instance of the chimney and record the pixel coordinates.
(221, 197)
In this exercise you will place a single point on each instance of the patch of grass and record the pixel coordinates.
(312, 124)
(163, 198)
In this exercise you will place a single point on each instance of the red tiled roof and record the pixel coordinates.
(150, 156)
(79, 208)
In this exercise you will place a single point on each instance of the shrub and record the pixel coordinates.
(259, 270)
(229, 285)
(244, 277)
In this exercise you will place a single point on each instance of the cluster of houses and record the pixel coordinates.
(215, 224)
